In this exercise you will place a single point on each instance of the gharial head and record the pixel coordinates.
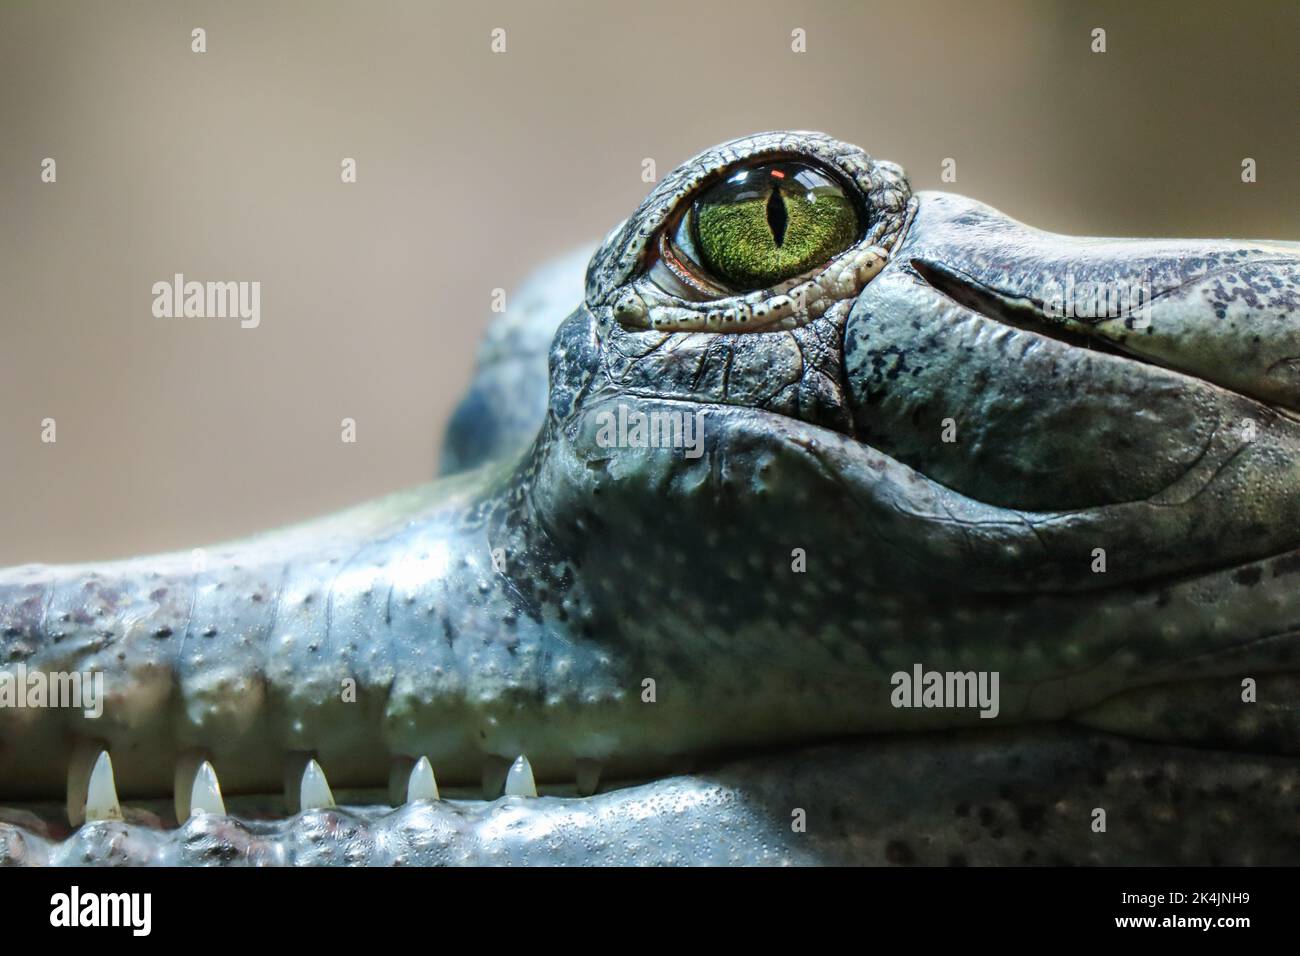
(815, 420)
(809, 440)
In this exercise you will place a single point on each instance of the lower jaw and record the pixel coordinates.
(1052, 794)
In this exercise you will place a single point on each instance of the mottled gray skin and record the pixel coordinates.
(618, 565)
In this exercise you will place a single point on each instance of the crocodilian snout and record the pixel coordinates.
(1051, 372)
(1225, 311)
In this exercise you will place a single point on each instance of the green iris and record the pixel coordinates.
(768, 223)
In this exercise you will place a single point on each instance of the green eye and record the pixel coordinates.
(768, 223)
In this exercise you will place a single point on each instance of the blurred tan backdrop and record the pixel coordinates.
(473, 167)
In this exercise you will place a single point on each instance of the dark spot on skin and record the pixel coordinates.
(899, 853)
(163, 631)
(12, 631)
(1033, 818)
(157, 594)
(1248, 576)
(209, 631)
(1287, 565)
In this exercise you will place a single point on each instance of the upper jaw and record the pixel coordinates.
(978, 358)
(1224, 311)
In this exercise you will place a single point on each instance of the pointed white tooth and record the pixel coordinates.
(183, 782)
(421, 785)
(519, 781)
(205, 793)
(399, 774)
(588, 776)
(314, 793)
(495, 770)
(101, 792)
(295, 763)
(82, 760)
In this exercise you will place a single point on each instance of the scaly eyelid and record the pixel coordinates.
(794, 302)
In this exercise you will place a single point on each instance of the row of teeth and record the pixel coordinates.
(92, 791)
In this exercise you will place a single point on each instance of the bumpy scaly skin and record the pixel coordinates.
(617, 565)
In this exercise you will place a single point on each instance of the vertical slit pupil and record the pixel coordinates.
(776, 216)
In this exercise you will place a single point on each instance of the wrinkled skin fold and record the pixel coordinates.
(934, 451)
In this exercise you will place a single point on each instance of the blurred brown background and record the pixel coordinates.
(473, 167)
